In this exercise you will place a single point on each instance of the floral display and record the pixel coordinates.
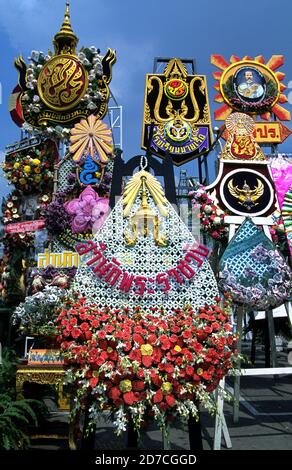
(253, 271)
(20, 240)
(50, 276)
(31, 170)
(282, 175)
(211, 217)
(133, 363)
(57, 219)
(91, 60)
(35, 316)
(88, 212)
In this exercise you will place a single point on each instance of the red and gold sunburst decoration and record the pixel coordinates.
(258, 95)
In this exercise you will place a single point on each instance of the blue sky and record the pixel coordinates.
(140, 31)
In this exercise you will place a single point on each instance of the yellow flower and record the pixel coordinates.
(109, 350)
(37, 170)
(146, 350)
(36, 161)
(97, 174)
(38, 178)
(177, 348)
(27, 169)
(16, 165)
(200, 371)
(125, 386)
(22, 181)
(166, 387)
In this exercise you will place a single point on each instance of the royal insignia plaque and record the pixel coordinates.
(246, 192)
(176, 114)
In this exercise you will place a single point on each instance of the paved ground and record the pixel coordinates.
(265, 420)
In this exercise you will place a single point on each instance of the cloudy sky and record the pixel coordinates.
(140, 31)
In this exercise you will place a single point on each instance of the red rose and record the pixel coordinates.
(190, 370)
(101, 334)
(138, 339)
(158, 397)
(156, 380)
(93, 382)
(135, 355)
(140, 374)
(187, 334)
(166, 344)
(147, 361)
(76, 333)
(88, 335)
(138, 385)
(215, 326)
(170, 400)
(114, 393)
(152, 339)
(129, 398)
(157, 355)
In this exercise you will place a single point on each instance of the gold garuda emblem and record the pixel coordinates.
(241, 144)
(246, 196)
(176, 120)
(64, 87)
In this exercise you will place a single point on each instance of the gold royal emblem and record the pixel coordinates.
(62, 83)
(246, 196)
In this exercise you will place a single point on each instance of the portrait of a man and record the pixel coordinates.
(249, 84)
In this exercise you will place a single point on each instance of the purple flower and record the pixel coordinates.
(88, 211)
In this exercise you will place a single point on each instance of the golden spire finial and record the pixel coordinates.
(65, 40)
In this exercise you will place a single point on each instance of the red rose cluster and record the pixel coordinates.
(125, 358)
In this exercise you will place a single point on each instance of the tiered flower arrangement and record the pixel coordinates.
(32, 171)
(211, 217)
(135, 364)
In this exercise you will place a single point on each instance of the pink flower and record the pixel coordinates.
(88, 211)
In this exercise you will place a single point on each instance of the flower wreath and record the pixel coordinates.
(135, 364)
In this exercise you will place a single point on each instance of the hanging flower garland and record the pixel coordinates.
(211, 217)
(131, 363)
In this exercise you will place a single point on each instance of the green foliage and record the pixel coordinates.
(15, 415)
(14, 418)
(228, 88)
(8, 371)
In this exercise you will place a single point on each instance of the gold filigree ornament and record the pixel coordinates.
(62, 83)
(241, 144)
(246, 196)
(144, 221)
(91, 136)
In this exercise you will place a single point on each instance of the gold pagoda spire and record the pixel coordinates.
(65, 41)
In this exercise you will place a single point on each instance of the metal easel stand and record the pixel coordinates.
(270, 347)
(220, 422)
(220, 425)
